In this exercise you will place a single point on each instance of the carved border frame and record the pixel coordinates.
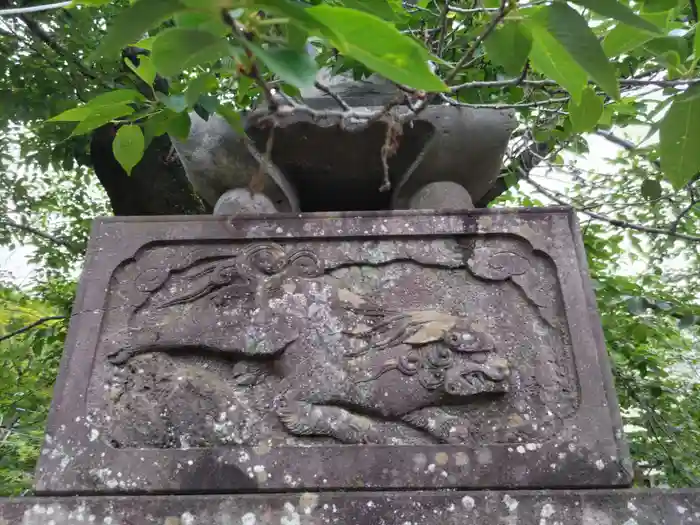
(593, 454)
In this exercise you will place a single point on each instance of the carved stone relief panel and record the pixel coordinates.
(393, 360)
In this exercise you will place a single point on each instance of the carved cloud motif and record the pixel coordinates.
(495, 264)
(234, 288)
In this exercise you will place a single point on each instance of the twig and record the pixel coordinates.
(33, 9)
(468, 11)
(469, 54)
(25, 329)
(413, 8)
(29, 229)
(480, 84)
(631, 82)
(442, 27)
(254, 72)
(541, 83)
(515, 105)
(693, 203)
(623, 143)
(528, 159)
(463, 62)
(609, 220)
(334, 96)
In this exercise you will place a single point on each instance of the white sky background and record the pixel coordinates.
(15, 263)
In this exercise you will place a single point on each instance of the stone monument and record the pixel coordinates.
(395, 365)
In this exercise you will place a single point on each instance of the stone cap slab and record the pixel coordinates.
(601, 507)
(411, 350)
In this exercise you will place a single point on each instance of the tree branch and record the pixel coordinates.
(636, 82)
(685, 211)
(33, 9)
(42, 35)
(526, 161)
(469, 54)
(515, 105)
(623, 143)
(609, 220)
(25, 329)
(471, 10)
(31, 45)
(254, 71)
(325, 89)
(46, 236)
(442, 28)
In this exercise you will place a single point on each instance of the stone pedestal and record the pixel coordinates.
(554, 507)
(286, 358)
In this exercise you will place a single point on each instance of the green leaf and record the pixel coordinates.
(679, 140)
(145, 70)
(73, 114)
(380, 8)
(668, 45)
(687, 95)
(553, 61)
(585, 116)
(176, 102)
(210, 5)
(179, 126)
(617, 11)
(146, 43)
(157, 125)
(204, 21)
(379, 46)
(209, 103)
(624, 38)
(571, 30)
(231, 116)
(118, 96)
(296, 67)
(199, 86)
(297, 37)
(101, 116)
(128, 147)
(509, 46)
(298, 14)
(606, 117)
(131, 23)
(177, 49)
(654, 6)
(651, 189)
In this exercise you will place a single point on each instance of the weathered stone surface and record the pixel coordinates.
(441, 196)
(412, 350)
(615, 507)
(318, 164)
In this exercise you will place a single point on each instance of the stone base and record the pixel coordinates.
(553, 507)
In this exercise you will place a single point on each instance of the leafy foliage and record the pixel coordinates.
(574, 72)
(28, 365)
